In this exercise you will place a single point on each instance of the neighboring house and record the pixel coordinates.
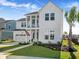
(10, 25)
(45, 25)
(2, 23)
(2, 26)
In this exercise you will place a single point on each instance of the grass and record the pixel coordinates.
(65, 55)
(37, 51)
(76, 53)
(8, 47)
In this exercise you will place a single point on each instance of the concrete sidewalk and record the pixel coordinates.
(26, 57)
(3, 56)
(17, 48)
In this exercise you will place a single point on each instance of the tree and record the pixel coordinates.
(71, 17)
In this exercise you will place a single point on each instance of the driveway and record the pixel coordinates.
(8, 44)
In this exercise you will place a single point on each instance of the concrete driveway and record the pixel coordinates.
(8, 44)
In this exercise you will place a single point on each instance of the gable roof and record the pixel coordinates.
(32, 13)
(22, 19)
(43, 7)
(53, 4)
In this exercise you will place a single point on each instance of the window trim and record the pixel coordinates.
(52, 16)
(47, 17)
(52, 36)
(23, 24)
(47, 38)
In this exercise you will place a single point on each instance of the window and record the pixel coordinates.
(51, 36)
(47, 16)
(20, 35)
(33, 16)
(52, 16)
(46, 37)
(23, 24)
(33, 22)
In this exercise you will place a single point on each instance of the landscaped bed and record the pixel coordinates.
(37, 51)
(68, 55)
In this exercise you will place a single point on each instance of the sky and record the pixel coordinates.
(15, 9)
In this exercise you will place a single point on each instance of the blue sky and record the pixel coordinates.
(15, 9)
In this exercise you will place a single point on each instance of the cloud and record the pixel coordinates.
(15, 5)
(70, 5)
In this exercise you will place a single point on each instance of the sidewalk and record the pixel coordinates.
(8, 44)
(16, 48)
(27, 57)
(3, 56)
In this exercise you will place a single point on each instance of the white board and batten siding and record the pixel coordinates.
(52, 25)
(45, 27)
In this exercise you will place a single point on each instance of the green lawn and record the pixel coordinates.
(65, 55)
(37, 51)
(9, 47)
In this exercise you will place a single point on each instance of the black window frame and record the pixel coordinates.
(51, 36)
(23, 24)
(46, 16)
(46, 37)
(52, 16)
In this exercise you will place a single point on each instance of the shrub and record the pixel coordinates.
(23, 43)
(75, 41)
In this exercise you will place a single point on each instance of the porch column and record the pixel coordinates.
(35, 35)
(30, 22)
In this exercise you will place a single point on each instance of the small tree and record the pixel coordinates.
(71, 17)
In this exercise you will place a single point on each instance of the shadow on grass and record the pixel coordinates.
(72, 55)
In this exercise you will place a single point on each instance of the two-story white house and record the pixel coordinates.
(45, 25)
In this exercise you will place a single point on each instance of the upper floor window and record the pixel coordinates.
(33, 22)
(23, 24)
(33, 16)
(47, 16)
(52, 16)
